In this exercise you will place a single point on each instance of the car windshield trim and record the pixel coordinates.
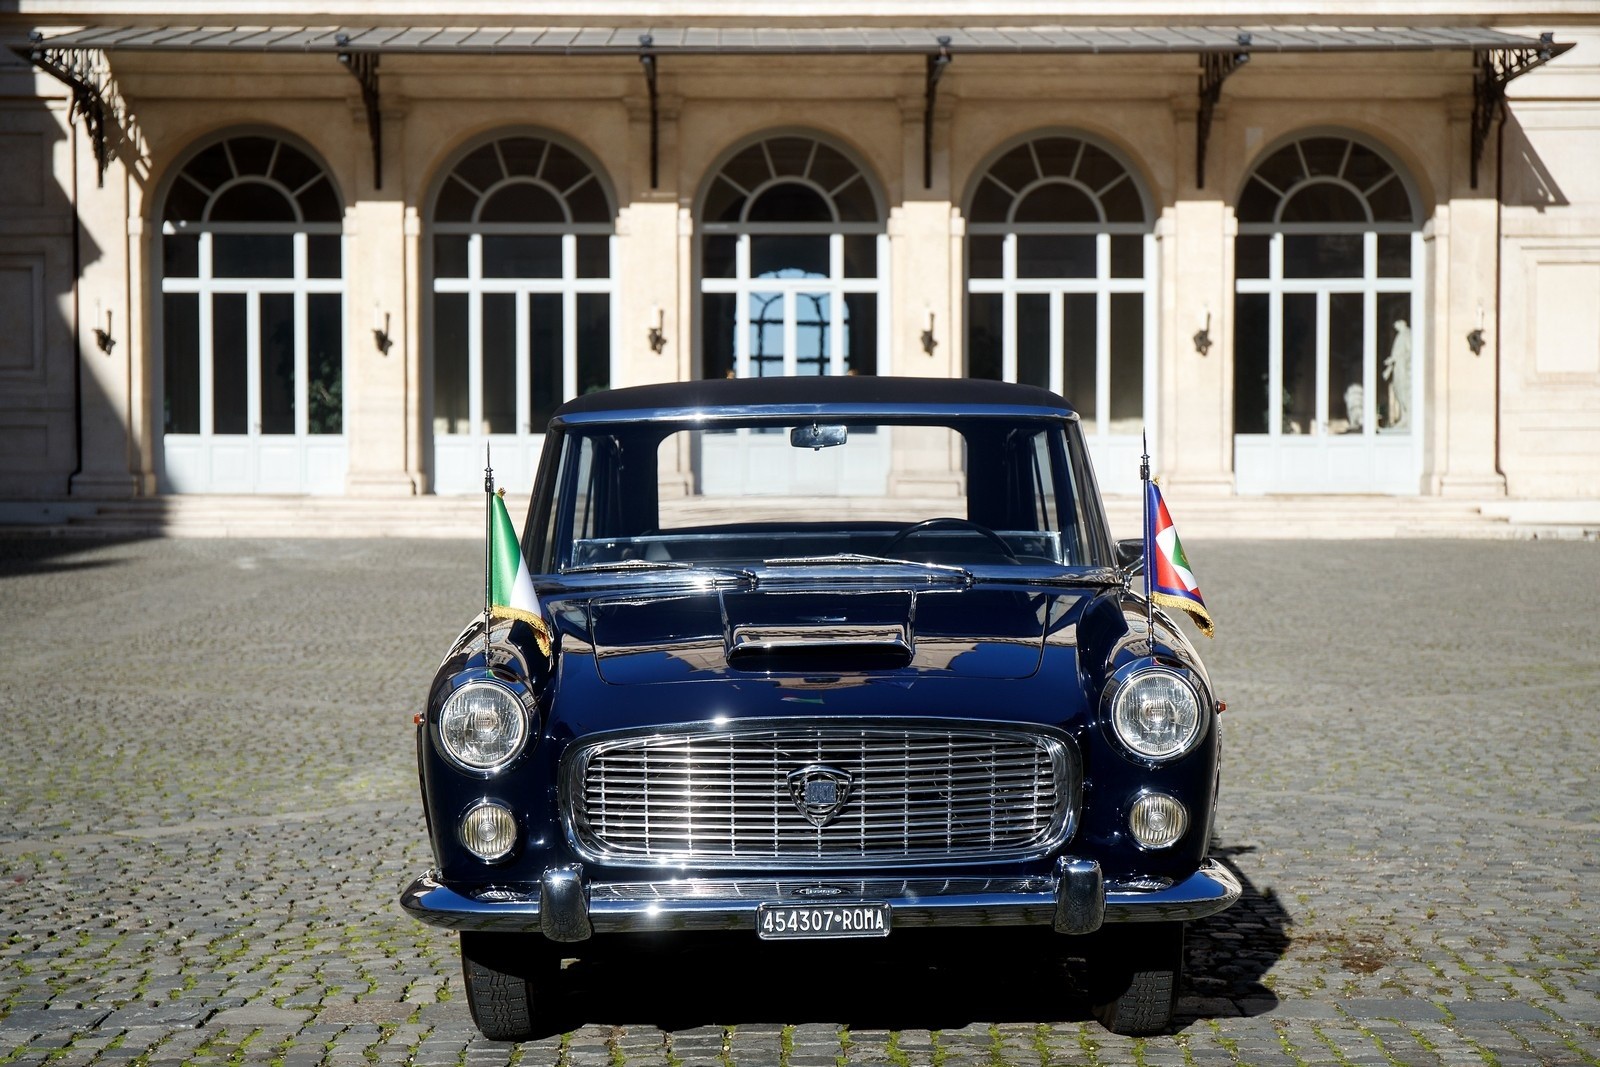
(859, 557)
(624, 566)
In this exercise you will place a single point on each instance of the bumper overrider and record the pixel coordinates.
(1075, 899)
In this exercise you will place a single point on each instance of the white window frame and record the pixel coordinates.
(568, 286)
(835, 286)
(209, 461)
(299, 286)
(1369, 286)
(1101, 286)
(1278, 462)
(1114, 453)
(455, 454)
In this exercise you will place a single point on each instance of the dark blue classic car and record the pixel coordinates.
(829, 658)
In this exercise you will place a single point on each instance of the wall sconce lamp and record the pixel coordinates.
(102, 338)
(929, 343)
(1202, 336)
(1475, 338)
(380, 332)
(656, 336)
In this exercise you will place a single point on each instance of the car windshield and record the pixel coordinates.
(960, 491)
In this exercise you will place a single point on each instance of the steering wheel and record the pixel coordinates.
(949, 521)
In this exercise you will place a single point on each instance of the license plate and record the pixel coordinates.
(784, 922)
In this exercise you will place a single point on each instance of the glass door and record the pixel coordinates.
(1328, 300)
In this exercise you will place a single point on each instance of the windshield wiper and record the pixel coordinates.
(625, 566)
(859, 557)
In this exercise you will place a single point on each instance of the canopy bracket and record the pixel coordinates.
(364, 65)
(937, 61)
(1215, 67)
(647, 58)
(90, 82)
(1497, 68)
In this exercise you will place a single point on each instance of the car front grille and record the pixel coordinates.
(822, 795)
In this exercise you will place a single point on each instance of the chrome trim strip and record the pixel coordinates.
(1066, 765)
(887, 413)
(730, 904)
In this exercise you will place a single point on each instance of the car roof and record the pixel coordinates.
(856, 394)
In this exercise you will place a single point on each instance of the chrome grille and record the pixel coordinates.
(723, 796)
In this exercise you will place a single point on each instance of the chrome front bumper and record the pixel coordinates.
(566, 907)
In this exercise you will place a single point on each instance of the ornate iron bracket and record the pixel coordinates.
(89, 81)
(648, 59)
(1214, 70)
(936, 64)
(1497, 67)
(364, 65)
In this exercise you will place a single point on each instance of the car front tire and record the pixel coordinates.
(509, 978)
(1135, 978)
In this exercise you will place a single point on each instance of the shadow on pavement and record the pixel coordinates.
(52, 555)
(913, 980)
(1229, 954)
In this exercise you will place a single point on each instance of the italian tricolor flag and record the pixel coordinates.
(1172, 583)
(511, 594)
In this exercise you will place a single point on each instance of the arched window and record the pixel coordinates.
(1328, 264)
(1060, 283)
(252, 321)
(791, 258)
(522, 307)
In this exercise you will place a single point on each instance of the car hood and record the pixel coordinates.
(970, 633)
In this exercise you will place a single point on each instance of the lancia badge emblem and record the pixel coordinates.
(819, 792)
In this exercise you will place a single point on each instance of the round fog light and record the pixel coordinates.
(489, 831)
(1157, 820)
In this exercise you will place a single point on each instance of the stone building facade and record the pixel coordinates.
(1352, 254)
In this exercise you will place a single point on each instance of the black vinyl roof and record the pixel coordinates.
(845, 391)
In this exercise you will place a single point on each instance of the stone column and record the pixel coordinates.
(924, 266)
(654, 254)
(379, 411)
(1467, 237)
(106, 406)
(924, 259)
(1194, 440)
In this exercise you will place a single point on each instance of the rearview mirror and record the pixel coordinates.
(1130, 556)
(817, 437)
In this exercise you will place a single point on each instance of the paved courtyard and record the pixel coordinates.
(208, 805)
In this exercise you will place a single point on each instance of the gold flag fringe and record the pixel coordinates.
(541, 633)
(1197, 612)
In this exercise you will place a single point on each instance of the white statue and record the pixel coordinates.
(1355, 400)
(1397, 372)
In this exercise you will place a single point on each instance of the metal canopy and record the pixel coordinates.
(1497, 57)
(770, 40)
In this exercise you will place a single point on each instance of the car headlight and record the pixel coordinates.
(483, 726)
(489, 830)
(1157, 714)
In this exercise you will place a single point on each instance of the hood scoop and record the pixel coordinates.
(791, 649)
(801, 632)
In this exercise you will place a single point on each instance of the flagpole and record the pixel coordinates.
(488, 548)
(1149, 569)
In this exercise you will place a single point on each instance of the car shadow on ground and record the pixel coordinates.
(27, 555)
(912, 980)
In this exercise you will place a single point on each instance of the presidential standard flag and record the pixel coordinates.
(510, 592)
(1172, 583)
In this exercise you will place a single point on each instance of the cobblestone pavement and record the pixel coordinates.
(208, 805)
